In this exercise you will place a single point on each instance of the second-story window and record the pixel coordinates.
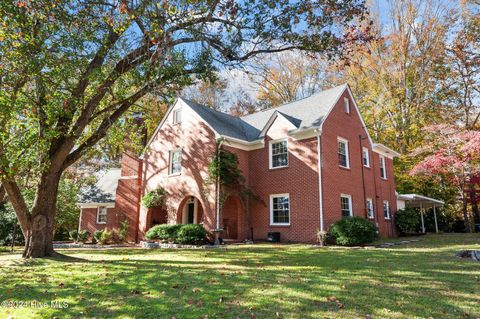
(383, 167)
(278, 154)
(175, 162)
(386, 209)
(366, 157)
(343, 159)
(177, 116)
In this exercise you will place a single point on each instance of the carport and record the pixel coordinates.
(422, 202)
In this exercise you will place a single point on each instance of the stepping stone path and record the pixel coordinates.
(403, 242)
(470, 254)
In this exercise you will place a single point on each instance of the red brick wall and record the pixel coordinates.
(338, 180)
(198, 145)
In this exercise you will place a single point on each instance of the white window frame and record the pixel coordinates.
(383, 167)
(170, 162)
(388, 209)
(177, 116)
(367, 157)
(347, 150)
(350, 208)
(98, 214)
(272, 196)
(346, 105)
(270, 154)
(370, 208)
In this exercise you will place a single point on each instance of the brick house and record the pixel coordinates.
(309, 162)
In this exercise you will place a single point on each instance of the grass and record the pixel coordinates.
(418, 280)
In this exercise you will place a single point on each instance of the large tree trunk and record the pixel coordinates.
(465, 214)
(39, 240)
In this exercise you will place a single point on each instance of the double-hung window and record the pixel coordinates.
(175, 162)
(278, 154)
(343, 157)
(383, 167)
(386, 209)
(366, 157)
(346, 205)
(102, 215)
(370, 213)
(280, 209)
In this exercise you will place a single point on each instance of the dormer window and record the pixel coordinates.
(383, 167)
(177, 116)
(346, 104)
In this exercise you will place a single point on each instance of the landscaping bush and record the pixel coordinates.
(83, 236)
(123, 231)
(354, 231)
(408, 221)
(96, 236)
(164, 232)
(191, 234)
(73, 235)
(105, 237)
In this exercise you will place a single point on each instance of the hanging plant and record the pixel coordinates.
(155, 198)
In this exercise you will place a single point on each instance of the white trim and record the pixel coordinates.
(370, 200)
(350, 208)
(243, 145)
(367, 157)
(383, 167)
(95, 205)
(304, 133)
(270, 157)
(170, 156)
(272, 196)
(388, 209)
(347, 150)
(98, 214)
(346, 105)
(385, 151)
(271, 120)
(128, 177)
(320, 186)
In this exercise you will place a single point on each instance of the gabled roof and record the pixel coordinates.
(104, 190)
(304, 113)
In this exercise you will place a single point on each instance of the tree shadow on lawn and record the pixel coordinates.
(292, 282)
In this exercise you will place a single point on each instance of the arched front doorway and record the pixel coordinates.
(190, 211)
(232, 218)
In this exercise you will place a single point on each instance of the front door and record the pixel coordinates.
(191, 213)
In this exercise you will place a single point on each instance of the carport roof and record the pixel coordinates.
(417, 201)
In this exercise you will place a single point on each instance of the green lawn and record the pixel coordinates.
(418, 280)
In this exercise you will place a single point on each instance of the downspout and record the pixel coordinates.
(217, 195)
(320, 189)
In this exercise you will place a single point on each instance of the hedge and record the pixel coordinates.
(354, 231)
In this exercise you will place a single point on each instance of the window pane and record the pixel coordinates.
(345, 206)
(176, 162)
(280, 210)
(342, 153)
(279, 154)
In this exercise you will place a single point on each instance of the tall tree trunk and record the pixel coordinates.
(39, 240)
(465, 214)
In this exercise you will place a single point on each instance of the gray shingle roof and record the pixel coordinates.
(104, 190)
(304, 113)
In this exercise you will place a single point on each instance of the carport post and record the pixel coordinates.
(421, 214)
(435, 216)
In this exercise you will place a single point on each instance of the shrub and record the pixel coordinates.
(191, 234)
(73, 235)
(83, 236)
(408, 220)
(155, 198)
(123, 231)
(105, 237)
(354, 231)
(96, 236)
(164, 232)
